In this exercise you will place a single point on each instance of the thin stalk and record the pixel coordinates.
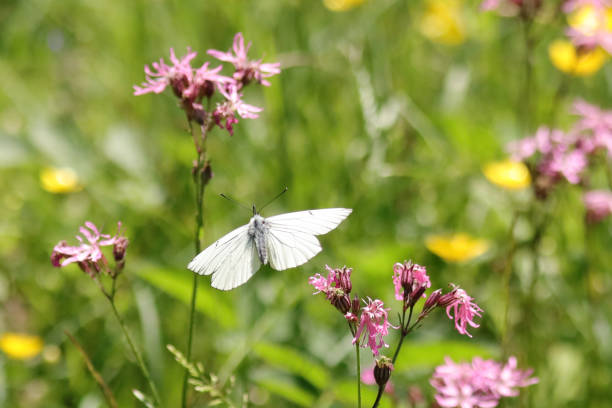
(525, 101)
(381, 390)
(358, 375)
(507, 278)
(136, 353)
(108, 394)
(200, 185)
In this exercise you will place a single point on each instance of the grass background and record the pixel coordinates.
(368, 114)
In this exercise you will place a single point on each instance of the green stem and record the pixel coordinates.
(507, 278)
(136, 353)
(358, 375)
(525, 100)
(379, 395)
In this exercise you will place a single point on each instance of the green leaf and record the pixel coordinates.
(293, 362)
(287, 390)
(432, 353)
(178, 284)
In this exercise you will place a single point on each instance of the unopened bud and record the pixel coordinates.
(344, 279)
(416, 295)
(382, 371)
(355, 306)
(119, 248)
(342, 303)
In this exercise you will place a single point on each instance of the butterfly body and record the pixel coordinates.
(258, 228)
(282, 241)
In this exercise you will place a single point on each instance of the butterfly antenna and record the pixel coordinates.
(238, 203)
(274, 199)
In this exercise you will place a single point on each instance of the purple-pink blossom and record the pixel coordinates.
(463, 309)
(179, 75)
(226, 111)
(88, 254)
(481, 383)
(374, 325)
(598, 204)
(246, 70)
(410, 281)
(337, 287)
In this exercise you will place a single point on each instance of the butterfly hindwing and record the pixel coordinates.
(232, 260)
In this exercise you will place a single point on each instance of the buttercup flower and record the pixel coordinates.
(598, 205)
(246, 70)
(342, 5)
(479, 384)
(577, 61)
(20, 346)
(441, 22)
(88, 255)
(374, 325)
(463, 309)
(457, 247)
(512, 175)
(59, 180)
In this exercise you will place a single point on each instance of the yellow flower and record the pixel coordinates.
(508, 174)
(20, 346)
(341, 5)
(566, 58)
(589, 21)
(56, 180)
(441, 22)
(456, 247)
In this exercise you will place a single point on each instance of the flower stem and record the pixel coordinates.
(379, 395)
(525, 101)
(358, 375)
(136, 353)
(507, 278)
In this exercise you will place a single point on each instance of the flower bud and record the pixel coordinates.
(416, 295)
(355, 306)
(119, 248)
(382, 371)
(342, 303)
(344, 279)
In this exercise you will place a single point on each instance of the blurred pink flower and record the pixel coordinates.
(246, 70)
(479, 384)
(464, 310)
(88, 254)
(411, 279)
(179, 75)
(571, 5)
(596, 123)
(374, 324)
(598, 204)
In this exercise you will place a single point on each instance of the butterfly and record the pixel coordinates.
(283, 241)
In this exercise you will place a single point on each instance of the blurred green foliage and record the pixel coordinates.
(367, 114)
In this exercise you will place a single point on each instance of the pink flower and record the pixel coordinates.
(246, 70)
(179, 75)
(374, 324)
(598, 205)
(88, 255)
(410, 281)
(464, 310)
(571, 5)
(337, 287)
(233, 104)
(595, 123)
(479, 384)
(205, 81)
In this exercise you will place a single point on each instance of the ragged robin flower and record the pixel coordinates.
(410, 281)
(373, 325)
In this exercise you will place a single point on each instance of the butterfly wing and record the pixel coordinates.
(231, 260)
(291, 238)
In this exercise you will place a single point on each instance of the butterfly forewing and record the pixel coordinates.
(291, 237)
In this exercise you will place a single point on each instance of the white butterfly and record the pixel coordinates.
(284, 241)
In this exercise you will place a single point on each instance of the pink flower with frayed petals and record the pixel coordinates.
(464, 310)
(598, 204)
(246, 70)
(205, 81)
(374, 324)
(480, 384)
(411, 280)
(88, 253)
(178, 75)
(233, 104)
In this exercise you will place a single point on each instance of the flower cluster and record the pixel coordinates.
(589, 23)
(192, 85)
(479, 384)
(371, 320)
(565, 155)
(88, 254)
